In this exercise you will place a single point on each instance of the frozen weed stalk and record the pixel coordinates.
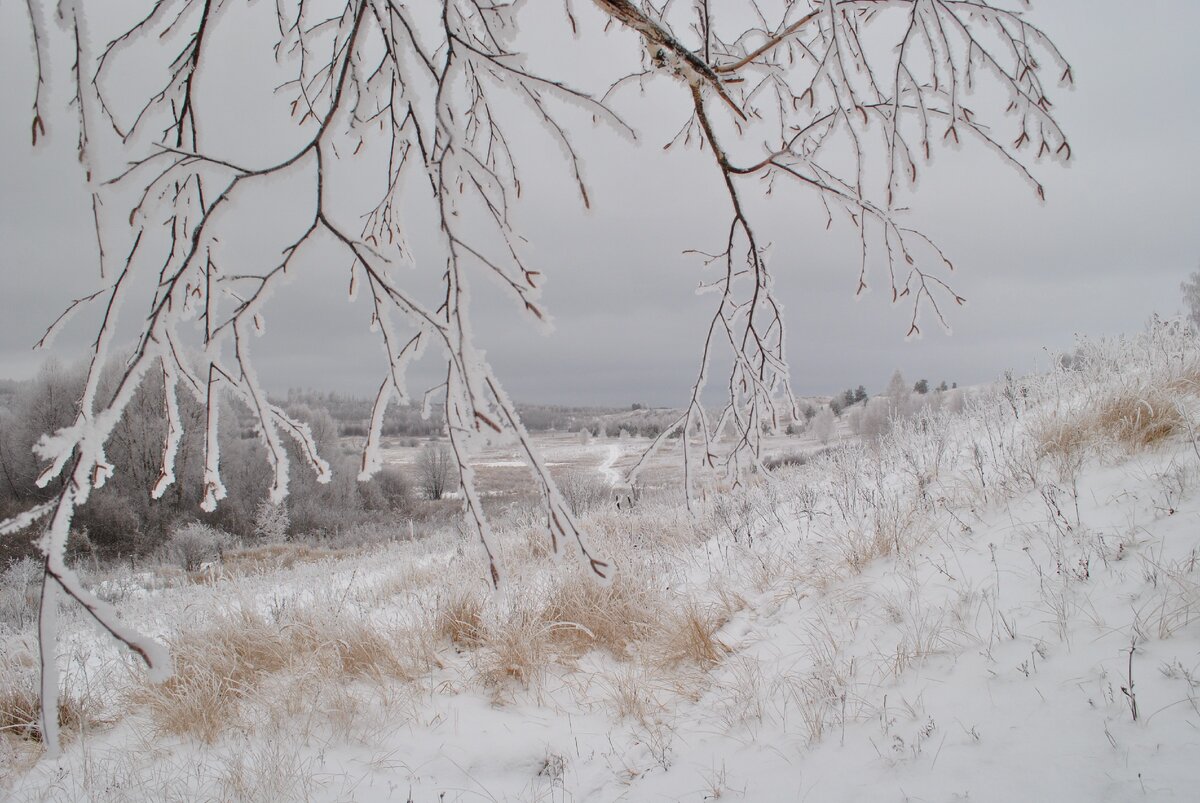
(422, 96)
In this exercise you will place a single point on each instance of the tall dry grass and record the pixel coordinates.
(20, 707)
(221, 664)
(1131, 419)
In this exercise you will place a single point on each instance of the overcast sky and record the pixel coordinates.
(1118, 232)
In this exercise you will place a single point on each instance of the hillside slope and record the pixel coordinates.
(1000, 604)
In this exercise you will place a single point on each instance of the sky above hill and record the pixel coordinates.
(1108, 248)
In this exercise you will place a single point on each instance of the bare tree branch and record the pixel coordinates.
(438, 107)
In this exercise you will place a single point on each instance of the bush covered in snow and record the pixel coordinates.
(194, 544)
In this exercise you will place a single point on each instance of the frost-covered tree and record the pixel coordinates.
(271, 521)
(374, 117)
(823, 424)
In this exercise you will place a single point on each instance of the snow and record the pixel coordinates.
(611, 456)
(954, 614)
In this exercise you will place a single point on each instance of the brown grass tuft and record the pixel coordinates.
(20, 710)
(215, 669)
(1133, 419)
(584, 615)
(460, 619)
(690, 636)
(1138, 421)
(364, 651)
(220, 665)
(518, 650)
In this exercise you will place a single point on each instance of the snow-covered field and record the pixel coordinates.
(1000, 604)
(503, 476)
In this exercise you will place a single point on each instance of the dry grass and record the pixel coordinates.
(690, 636)
(20, 709)
(268, 770)
(1140, 420)
(1133, 419)
(539, 625)
(585, 615)
(364, 651)
(20, 706)
(860, 546)
(1186, 379)
(215, 668)
(272, 557)
(517, 649)
(459, 619)
(408, 579)
(220, 665)
(632, 694)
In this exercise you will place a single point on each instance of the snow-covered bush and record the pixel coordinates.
(823, 424)
(388, 491)
(195, 543)
(584, 491)
(435, 470)
(19, 583)
(271, 522)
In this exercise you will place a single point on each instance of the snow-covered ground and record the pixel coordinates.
(1000, 604)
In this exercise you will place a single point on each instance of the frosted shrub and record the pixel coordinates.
(823, 425)
(435, 470)
(195, 543)
(271, 522)
(389, 490)
(18, 592)
(583, 492)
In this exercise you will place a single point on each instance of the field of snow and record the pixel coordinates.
(504, 477)
(998, 604)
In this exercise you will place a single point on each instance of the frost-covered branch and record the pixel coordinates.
(434, 102)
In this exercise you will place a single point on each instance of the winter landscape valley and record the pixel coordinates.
(992, 602)
(488, 401)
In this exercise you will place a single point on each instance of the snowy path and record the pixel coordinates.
(607, 468)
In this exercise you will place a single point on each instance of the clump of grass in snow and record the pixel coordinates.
(583, 615)
(459, 619)
(632, 693)
(218, 666)
(1133, 419)
(517, 649)
(20, 706)
(690, 636)
(215, 668)
(1140, 420)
